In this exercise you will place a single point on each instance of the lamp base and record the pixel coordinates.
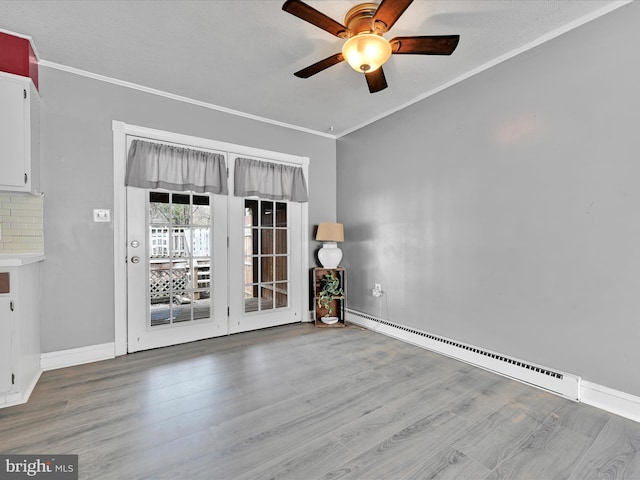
(330, 255)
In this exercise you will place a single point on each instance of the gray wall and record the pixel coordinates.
(77, 176)
(505, 211)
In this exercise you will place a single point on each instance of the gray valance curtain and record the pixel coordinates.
(269, 180)
(155, 165)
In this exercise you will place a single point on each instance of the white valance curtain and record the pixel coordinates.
(156, 165)
(269, 180)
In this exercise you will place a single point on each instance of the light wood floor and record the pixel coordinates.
(298, 402)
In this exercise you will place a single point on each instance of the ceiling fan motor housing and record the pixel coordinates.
(358, 19)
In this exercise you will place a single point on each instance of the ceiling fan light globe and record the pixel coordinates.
(366, 52)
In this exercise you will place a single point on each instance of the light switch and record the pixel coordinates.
(101, 215)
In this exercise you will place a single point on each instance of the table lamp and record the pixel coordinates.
(329, 234)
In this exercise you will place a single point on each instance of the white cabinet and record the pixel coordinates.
(19, 328)
(6, 334)
(19, 134)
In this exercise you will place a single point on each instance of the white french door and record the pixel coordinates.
(266, 241)
(177, 267)
(199, 265)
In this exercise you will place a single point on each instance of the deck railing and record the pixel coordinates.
(175, 242)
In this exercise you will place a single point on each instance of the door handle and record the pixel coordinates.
(135, 259)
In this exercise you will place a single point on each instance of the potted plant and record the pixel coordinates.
(330, 290)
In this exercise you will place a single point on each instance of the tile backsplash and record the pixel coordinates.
(21, 226)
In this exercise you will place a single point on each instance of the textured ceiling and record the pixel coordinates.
(241, 54)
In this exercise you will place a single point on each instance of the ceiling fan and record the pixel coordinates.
(365, 48)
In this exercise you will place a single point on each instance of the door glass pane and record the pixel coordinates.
(281, 241)
(179, 276)
(181, 209)
(266, 274)
(182, 313)
(178, 243)
(202, 274)
(200, 241)
(201, 211)
(201, 309)
(251, 299)
(267, 214)
(254, 233)
(266, 241)
(159, 207)
(248, 274)
(160, 315)
(266, 253)
(282, 296)
(182, 302)
(281, 214)
(251, 212)
(282, 272)
(180, 226)
(266, 297)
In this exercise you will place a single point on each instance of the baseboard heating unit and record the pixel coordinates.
(560, 383)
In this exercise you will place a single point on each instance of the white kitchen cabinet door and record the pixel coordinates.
(19, 132)
(6, 329)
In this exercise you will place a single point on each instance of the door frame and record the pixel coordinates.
(120, 132)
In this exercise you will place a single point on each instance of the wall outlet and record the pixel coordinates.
(377, 290)
(101, 215)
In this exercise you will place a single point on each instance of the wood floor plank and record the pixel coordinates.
(273, 416)
(580, 418)
(137, 464)
(446, 464)
(494, 438)
(551, 451)
(303, 462)
(479, 398)
(401, 413)
(254, 451)
(390, 458)
(614, 454)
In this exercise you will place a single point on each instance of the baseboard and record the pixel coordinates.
(613, 401)
(18, 398)
(31, 386)
(76, 356)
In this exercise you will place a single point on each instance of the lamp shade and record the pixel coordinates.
(366, 52)
(330, 232)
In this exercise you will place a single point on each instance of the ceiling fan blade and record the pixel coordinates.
(314, 17)
(320, 66)
(376, 80)
(387, 13)
(428, 45)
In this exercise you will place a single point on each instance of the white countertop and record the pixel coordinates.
(19, 259)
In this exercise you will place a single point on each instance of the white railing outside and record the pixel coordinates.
(178, 242)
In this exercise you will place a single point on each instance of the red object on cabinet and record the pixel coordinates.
(17, 57)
